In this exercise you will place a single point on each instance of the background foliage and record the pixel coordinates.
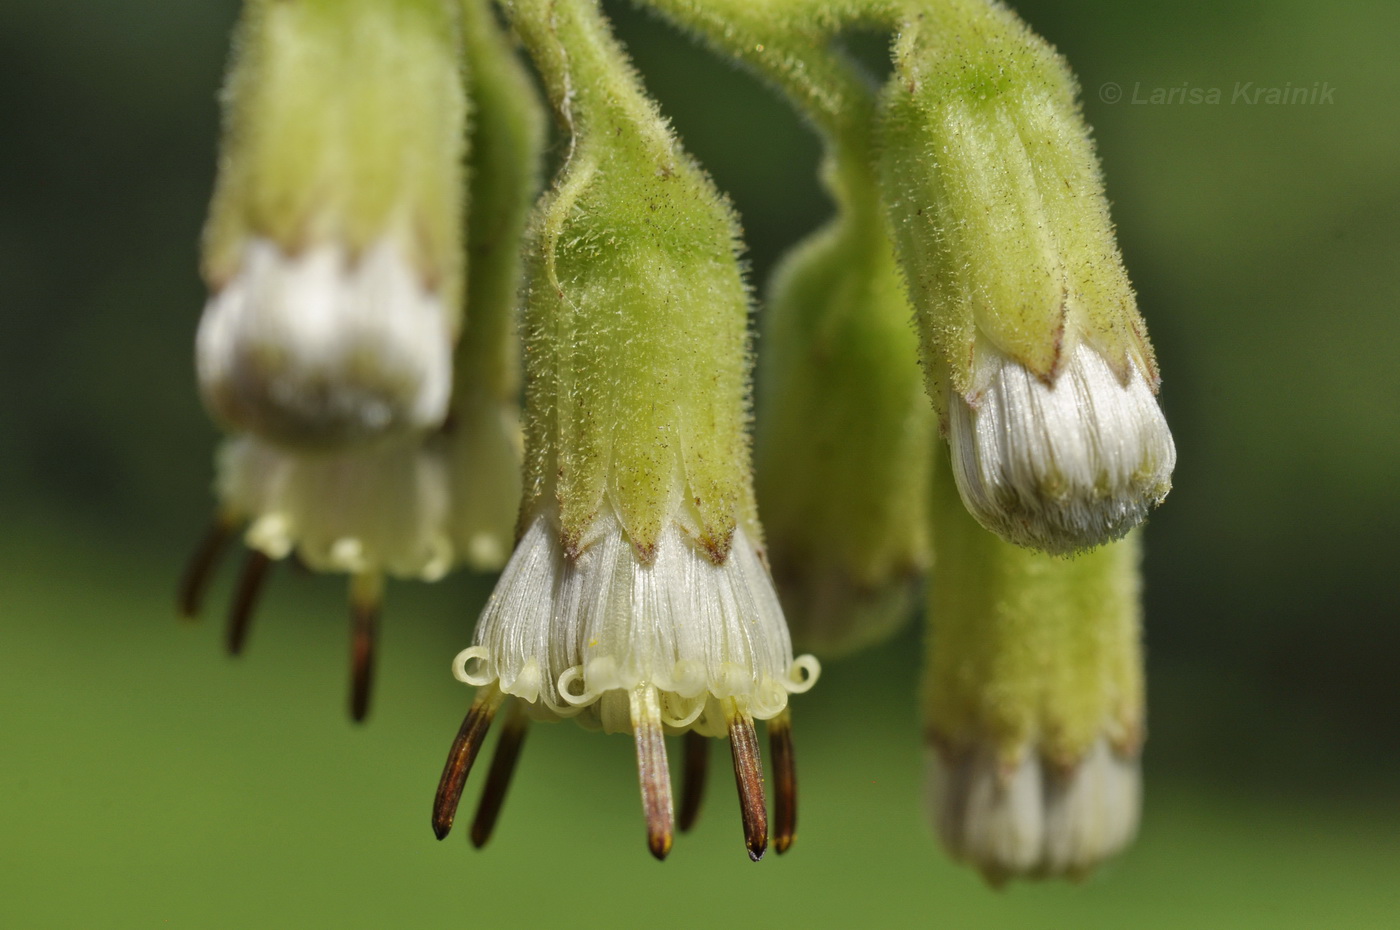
(146, 779)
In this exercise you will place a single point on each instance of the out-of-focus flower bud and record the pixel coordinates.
(333, 251)
(845, 437)
(1033, 700)
(381, 510)
(482, 438)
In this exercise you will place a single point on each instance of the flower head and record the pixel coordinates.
(1060, 465)
(1033, 700)
(574, 634)
(366, 443)
(637, 599)
(1036, 356)
(333, 250)
(691, 641)
(382, 511)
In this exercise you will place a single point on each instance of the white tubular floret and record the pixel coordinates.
(1029, 819)
(577, 635)
(383, 509)
(322, 350)
(1063, 466)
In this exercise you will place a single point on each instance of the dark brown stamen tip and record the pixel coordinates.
(201, 567)
(696, 768)
(364, 623)
(653, 771)
(748, 775)
(784, 783)
(460, 758)
(498, 779)
(245, 599)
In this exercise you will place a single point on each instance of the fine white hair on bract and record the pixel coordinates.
(316, 349)
(576, 635)
(1060, 467)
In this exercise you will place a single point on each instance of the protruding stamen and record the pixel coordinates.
(366, 596)
(697, 767)
(201, 567)
(461, 756)
(245, 599)
(653, 770)
(748, 775)
(498, 778)
(784, 782)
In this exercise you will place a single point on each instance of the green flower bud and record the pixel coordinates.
(1036, 357)
(845, 437)
(1033, 699)
(483, 434)
(637, 342)
(333, 251)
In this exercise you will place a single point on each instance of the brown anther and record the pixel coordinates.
(201, 567)
(365, 600)
(748, 775)
(245, 599)
(784, 782)
(653, 771)
(498, 778)
(460, 758)
(696, 767)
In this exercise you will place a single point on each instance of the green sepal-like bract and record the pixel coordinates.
(1029, 649)
(997, 202)
(636, 342)
(845, 436)
(345, 122)
(333, 250)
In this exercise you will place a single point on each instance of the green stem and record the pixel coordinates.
(507, 139)
(790, 46)
(587, 76)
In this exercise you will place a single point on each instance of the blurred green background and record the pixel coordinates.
(147, 780)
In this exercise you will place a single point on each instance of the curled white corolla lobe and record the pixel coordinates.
(578, 636)
(1065, 466)
(316, 350)
(383, 509)
(1030, 819)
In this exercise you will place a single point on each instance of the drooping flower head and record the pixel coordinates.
(421, 496)
(333, 251)
(845, 433)
(1033, 700)
(367, 513)
(637, 599)
(1035, 353)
